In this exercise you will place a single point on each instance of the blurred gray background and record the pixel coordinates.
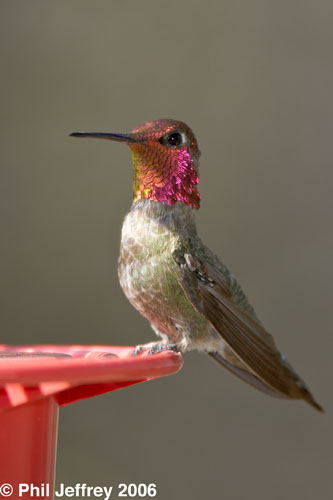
(254, 80)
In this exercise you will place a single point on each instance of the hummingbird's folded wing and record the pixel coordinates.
(209, 292)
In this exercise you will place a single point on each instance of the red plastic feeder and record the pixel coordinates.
(36, 380)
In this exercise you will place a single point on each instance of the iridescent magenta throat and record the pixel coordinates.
(164, 177)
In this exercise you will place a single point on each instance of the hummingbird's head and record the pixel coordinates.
(165, 159)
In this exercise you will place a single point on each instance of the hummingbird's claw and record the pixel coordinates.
(138, 350)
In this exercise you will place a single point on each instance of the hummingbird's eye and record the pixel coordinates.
(172, 139)
(175, 139)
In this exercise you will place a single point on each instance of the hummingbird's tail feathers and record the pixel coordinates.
(208, 291)
(307, 396)
(246, 376)
(251, 379)
(305, 393)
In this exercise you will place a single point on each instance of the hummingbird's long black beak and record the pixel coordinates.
(126, 138)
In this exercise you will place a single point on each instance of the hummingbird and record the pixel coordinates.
(174, 280)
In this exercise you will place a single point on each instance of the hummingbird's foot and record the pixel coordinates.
(143, 347)
(163, 347)
(155, 347)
